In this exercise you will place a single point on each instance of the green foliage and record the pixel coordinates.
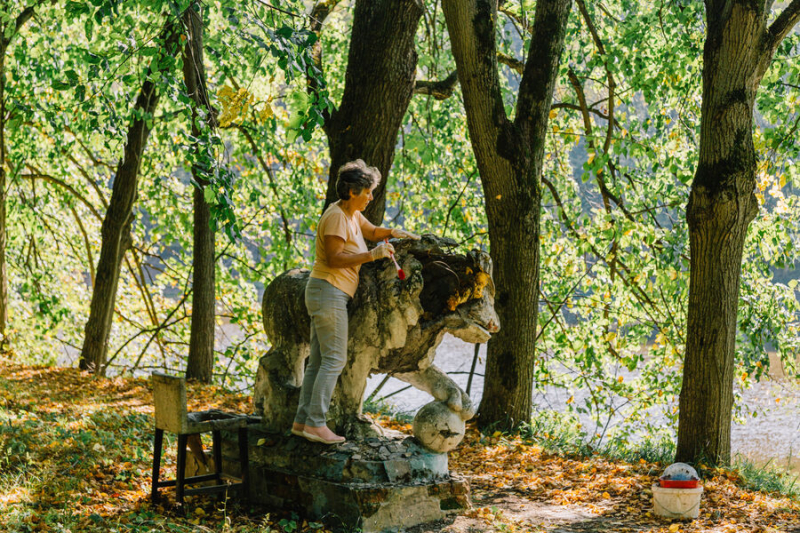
(614, 262)
(766, 478)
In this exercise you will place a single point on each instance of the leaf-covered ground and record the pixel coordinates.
(75, 455)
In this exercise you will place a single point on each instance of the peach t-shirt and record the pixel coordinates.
(334, 221)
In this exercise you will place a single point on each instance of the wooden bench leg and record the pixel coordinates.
(244, 463)
(179, 483)
(217, 451)
(158, 440)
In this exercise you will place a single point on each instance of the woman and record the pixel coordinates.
(340, 252)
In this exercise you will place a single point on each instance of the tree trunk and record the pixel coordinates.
(509, 156)
(200, 365)
(722, 203)
(508, 382)
(721, 206)
(379, 83)
(119, 217)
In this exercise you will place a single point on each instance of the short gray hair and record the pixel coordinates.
(354, 177)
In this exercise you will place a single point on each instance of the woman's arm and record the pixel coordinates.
(334, 251)
(373, 233)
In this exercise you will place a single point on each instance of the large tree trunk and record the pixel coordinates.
(722, 203)
(379, 83)
(509, 156)
(201, 343)
(119, 217)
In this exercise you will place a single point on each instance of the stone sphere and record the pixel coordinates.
(438, 428)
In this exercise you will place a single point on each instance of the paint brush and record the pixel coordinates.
(400, 273)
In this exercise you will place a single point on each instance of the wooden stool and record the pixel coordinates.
(169, 394)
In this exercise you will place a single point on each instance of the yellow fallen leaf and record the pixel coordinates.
(674, 528)
(261, 442)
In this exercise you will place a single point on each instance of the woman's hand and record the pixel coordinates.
(398, 233)
(384, 249)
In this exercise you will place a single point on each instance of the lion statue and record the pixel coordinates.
(394, 328)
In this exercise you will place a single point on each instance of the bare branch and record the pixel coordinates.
(612, 84)
(575, 107)
(272, 183)
(624, 272)
(438, 89)
(524, 24)
(86, 243)
(280, 10)
(320, 12)
(783, 25)
(67, 187)
(22, 19)
(455, 203)
(514, 63)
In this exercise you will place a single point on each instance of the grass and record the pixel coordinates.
(561, 434)
(388, 410)
(767, 478)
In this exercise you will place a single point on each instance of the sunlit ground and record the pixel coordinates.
(75, 455)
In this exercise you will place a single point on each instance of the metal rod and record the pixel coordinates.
(472, 370)
(377, 389)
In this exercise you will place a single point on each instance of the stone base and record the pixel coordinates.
(378, 485)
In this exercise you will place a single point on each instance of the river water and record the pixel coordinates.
(771, 437)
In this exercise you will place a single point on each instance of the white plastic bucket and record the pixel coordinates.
(676, 503)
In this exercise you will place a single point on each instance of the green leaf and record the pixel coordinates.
(210, 197)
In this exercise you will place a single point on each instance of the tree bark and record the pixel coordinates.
(509, 156)
(379, 84)
(116, 225)
(722, 203)
(200, 365)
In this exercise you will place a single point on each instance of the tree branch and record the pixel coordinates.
(509, 61)
(271, 177)
(279, 10)
(444, 88)
(66, 186)
(612, 84)
(438, 89)
(86, 243)
(575, 107)
(22, 19)
(318, 14)
(537, 86)
(625, 273)
(783, 25)
(524, 24)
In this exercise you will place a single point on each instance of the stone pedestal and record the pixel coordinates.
(378, 485)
